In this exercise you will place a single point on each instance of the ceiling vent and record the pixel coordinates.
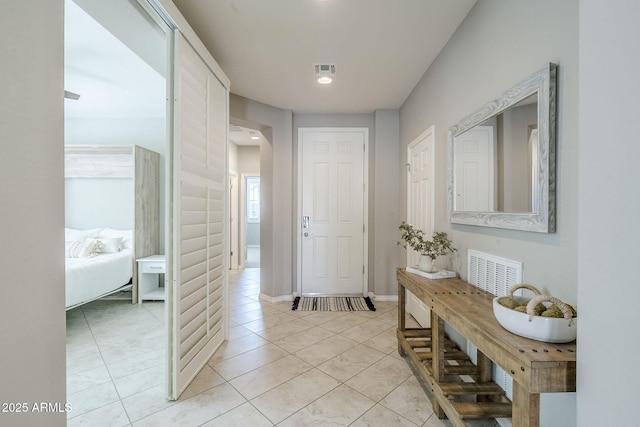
(325, 72)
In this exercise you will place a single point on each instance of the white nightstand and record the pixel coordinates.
(149, 269)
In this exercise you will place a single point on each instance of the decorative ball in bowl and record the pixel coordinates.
(532, 324)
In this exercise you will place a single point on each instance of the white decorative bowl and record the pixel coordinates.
(547, 329)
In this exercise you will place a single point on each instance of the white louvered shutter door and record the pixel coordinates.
(199, 210)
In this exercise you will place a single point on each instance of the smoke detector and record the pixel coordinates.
(325, 73)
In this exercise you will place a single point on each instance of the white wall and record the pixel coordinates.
(32, 311)
(147, 132)
(98, 203)
(608, 231)
(150, 133)
(497, 45)
(130, 24)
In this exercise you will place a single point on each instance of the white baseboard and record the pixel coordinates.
(383, 297)
(274, 300)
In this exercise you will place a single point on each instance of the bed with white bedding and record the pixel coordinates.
(114, 190)
(99, 262)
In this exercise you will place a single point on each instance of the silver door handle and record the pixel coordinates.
(305, 222)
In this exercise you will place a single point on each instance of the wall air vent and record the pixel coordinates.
(495, 275)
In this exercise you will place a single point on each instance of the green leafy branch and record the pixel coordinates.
(417, 240)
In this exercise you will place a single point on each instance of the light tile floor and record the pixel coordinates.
(279, 367)
(253, 257)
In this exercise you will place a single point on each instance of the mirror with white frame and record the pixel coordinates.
(501, 159)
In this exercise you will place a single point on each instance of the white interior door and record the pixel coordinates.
(420, 207)
(333, 211)
(475, 170)
(420, 187)
(200, 220)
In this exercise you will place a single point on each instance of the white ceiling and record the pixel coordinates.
(381, 48)
(267, 49)
(110, 78)
(244, 136)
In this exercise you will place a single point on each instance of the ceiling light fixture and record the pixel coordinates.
(325, 72)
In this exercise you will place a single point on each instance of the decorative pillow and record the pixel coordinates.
(110, 244)
(126, 235)
(84, 248)
(72, 234)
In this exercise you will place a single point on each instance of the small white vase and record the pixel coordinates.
(426, 264)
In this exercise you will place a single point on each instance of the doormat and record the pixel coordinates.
(333, 304)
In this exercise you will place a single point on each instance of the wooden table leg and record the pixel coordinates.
(402, 299)
(437, 361)
(484, 373)
(526, 407)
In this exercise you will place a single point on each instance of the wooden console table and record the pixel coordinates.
(461, 390)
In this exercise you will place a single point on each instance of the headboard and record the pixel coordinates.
(131, 166)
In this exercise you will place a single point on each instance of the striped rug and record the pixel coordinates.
(333, 304)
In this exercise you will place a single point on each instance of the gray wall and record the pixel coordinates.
(278, 170)
(497, 45)
(384, 215)
(276, 175)
(32, 311)
(386, 204)
(465, 76)
(248, 159)
(608, 230)
(514, 165)
(31, 194)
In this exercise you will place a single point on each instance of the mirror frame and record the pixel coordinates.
(542, 81)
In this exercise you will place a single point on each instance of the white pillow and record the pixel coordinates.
(110, 244)
(83, 248)
(126, 235)
(72, 234)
